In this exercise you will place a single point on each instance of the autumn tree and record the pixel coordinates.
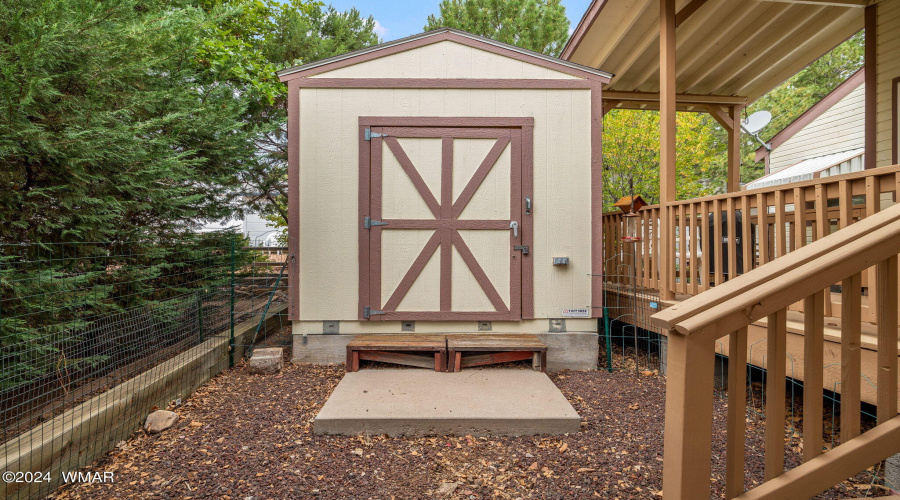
(631, 153)
(538, 25)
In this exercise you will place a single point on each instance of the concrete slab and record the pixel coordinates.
(492, 401)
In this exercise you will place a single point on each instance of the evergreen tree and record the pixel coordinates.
(112, 127)
(538, 25)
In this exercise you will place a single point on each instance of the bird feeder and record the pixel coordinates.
(630, 205)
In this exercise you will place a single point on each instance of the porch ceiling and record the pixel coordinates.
(724, 47)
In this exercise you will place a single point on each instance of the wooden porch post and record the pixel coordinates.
(666, 145)
(689, 406)
(871, 95)
(734, 150)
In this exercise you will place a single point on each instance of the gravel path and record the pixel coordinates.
(248, 436)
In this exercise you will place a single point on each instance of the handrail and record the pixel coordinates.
(831, 179)
(778, 187)
(869, 247)
(753, 295)
(756, 227)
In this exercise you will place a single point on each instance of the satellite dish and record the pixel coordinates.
(755, 122)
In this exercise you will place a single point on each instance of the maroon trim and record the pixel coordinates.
(457, 224)
(414, 176)
(414, 271)
(375, 206)
(833, 97)
(430, 123)
(369, 54)
(445, 83)
(478, 272)
(895, 126)
(445, 224)
(364, 257)
(478, 177)
(516, 259)
(523, 144)
(871, 72)
(293, 133)
(444, 316)
(596, 202)
(446, 213)
(587, 20)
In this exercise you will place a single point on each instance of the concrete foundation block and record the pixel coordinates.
(892, 474)
(266, 361)
(571, 350)
(320, 349)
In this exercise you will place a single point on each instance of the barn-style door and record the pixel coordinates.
(445, 217)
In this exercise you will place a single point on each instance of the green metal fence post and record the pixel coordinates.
(609, 367)
(200, 316)
(231, 337)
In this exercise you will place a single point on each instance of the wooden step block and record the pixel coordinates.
(467, 350)
(407, 350)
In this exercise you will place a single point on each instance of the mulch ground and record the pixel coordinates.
(247, 436)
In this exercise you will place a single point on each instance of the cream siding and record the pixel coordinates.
(841, 128)
(446, 59)
(329, 217)
(888, 68)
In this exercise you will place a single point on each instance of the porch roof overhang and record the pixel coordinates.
(739, 48)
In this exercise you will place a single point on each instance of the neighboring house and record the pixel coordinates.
(827, 139)
(256, 229)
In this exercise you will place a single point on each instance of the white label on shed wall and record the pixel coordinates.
(576, 313)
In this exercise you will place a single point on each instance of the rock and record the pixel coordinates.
(159, 421)
(446, 489)
(267, 361)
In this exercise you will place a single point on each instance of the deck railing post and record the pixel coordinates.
(689, 407)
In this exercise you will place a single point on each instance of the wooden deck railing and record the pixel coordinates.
(694, 325)
(755, 227)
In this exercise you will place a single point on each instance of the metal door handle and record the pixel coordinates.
(515, 227)
(527, 205)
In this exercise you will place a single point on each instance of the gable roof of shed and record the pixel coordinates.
(439, 35)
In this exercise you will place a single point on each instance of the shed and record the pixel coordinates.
(433, 181)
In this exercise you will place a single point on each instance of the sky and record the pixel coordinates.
(399, 18)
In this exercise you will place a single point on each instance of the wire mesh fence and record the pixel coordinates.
(93, 336)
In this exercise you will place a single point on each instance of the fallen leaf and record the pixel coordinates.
(564, 447)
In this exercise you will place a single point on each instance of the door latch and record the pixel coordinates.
(515, 227)
(528, 205)
(523, 248)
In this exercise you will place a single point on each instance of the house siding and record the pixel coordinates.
(888, 68)
(841, 128)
